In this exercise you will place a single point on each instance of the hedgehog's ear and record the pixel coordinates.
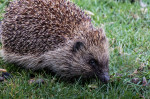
(77, 46)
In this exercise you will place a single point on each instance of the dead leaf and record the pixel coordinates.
(92, 86)
(141, 67)
(135, 16)
(88, 12)
(135, 72)
(119, 75)
(144, 81)
(144, 10)
(36, 81)
(120, 50)
(3, 70)
(53, 80)
(135, 80)
(31, 81)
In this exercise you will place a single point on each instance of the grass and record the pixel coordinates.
(127, 27)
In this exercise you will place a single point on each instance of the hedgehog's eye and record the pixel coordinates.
(77, 46)
(93, 62)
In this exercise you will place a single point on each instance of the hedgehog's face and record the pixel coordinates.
(93, 58)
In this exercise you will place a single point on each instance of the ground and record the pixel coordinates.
(127, 26)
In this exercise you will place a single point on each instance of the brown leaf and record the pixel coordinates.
(135, 72)
(144, 81)
(120, 50)
(135, 16)
(31, 81)
(141, 67)
(119, 75)
(3, 70)
(135, 80)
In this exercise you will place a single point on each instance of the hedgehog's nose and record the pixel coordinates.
(104, 78)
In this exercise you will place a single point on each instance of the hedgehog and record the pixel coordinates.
(57, 35)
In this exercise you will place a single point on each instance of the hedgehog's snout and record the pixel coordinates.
(104, 77)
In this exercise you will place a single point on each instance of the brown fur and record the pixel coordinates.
(56, 19)
(41, 33)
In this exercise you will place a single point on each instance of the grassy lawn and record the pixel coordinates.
(127, 27)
